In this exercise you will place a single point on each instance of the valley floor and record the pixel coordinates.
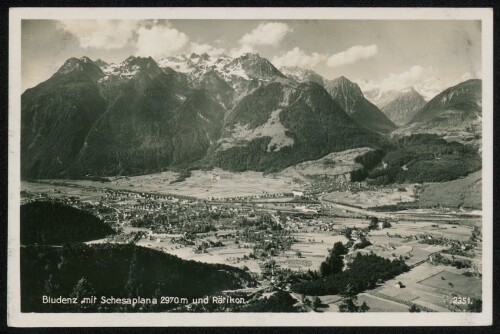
(311, 225)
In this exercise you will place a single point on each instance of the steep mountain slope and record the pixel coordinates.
(461, 193)
(56, 116)
(136, 131)
(351, 99)
(456, 106)
(138, 116)
(218, 89)
(405, 105)
(281, 124)
(198, 125)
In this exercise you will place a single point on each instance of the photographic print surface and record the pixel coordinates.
(323, 168)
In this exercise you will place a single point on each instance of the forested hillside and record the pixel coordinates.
(51, 223)
(118, 270)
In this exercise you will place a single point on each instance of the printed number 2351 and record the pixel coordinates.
(461, 300)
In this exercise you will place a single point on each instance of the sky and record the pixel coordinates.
(374, 53)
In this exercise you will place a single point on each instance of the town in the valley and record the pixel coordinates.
(271, 225)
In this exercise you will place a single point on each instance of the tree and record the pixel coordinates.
(364, 307)
(349, 304)
(132, 285)
(373, 223)
(325, 269)
(50, 289)
(348, 233)
(475, 306)
(336, 264)
(82, 289)
(414, 308)
(339, 249)
(316, 302)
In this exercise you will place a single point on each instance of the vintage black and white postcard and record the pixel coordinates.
(250, 167)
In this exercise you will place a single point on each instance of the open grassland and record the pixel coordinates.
(332, 165)
(465, 192)
(378, 304)
(201, 184)
(435, 297)
(412, 252)
(374, 198)
(439, 230)
(313, 249)
(229, 254)
(58, 191)
(450, 282)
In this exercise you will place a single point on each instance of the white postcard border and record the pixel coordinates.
(18, 319)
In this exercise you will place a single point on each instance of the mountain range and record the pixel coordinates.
(92, 118)
(404, 106)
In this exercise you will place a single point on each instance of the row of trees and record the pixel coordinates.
(364, 272)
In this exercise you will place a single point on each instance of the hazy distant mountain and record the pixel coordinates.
(381, 98)
(349, 96)
(138, 116)
(404, 106)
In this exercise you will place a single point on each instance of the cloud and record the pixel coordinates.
(206, 48)
(396, 81)
(469, 75)
(352, 55)
(160, 41)
(236, 52)
(297, 57)
(266, 34)
(100, 34)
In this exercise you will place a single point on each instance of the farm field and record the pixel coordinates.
(58, 191)
(465, 286)
(392, 248)
(313, 248)
(433, 297)
(373, 198)
(315, 226)
(338, 164)
(229, 254)
(378, 304)
(411, 228)
(201, 184)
